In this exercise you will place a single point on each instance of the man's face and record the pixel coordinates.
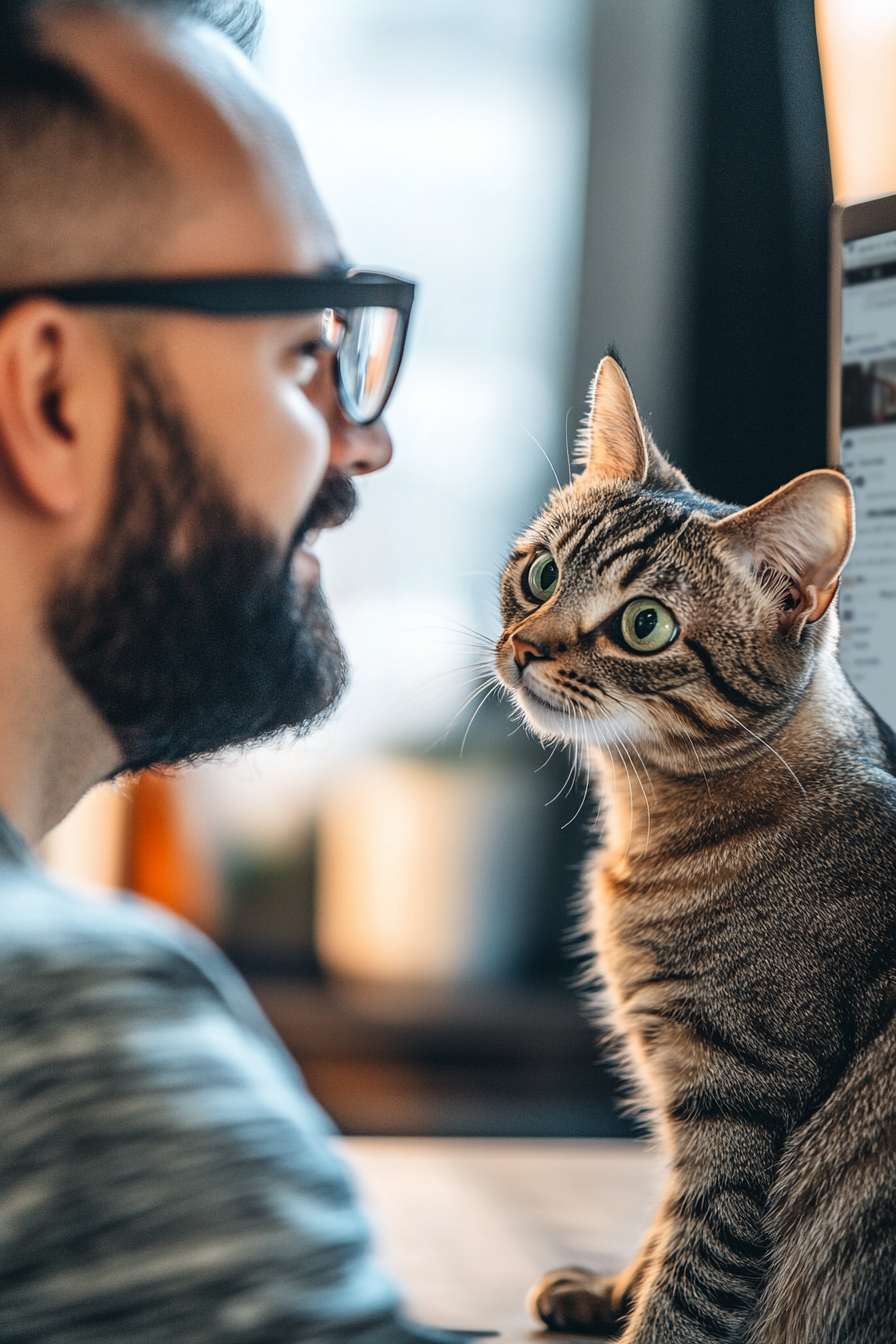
(186, 625)
(231, 426)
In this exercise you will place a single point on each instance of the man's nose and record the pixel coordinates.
(524, 652)
(356, 450)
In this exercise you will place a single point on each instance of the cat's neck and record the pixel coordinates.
(649, 812)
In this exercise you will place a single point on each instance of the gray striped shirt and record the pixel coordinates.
(165, 1177)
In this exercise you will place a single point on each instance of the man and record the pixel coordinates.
(171, 434)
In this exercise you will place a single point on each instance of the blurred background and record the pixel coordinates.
(558, 175)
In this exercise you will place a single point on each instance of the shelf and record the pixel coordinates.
(499, 1061)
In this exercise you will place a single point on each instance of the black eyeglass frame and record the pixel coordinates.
(262, 295)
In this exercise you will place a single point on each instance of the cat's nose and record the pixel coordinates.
(523, 652)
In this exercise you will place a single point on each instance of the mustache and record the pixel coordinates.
(333, 505)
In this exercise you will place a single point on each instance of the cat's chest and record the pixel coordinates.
(658, 922)
(667, 893)
(629, 940)
(649, 976)
(634, 900)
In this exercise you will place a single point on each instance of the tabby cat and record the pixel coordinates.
(742, 903)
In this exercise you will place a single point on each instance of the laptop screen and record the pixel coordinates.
(868, 457)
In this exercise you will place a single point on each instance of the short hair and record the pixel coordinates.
(66, 151)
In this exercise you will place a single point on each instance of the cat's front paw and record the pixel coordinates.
(577, 1302)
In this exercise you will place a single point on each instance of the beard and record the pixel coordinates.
(185, 626)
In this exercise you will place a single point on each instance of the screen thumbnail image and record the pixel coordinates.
(869, 394)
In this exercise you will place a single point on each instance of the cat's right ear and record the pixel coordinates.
(612, 444)
(804, 532)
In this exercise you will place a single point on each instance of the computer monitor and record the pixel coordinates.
(862, 436)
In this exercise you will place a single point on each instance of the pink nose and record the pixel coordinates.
(523, 652)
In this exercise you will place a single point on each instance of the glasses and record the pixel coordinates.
(365, 316)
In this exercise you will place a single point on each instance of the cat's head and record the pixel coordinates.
(636, 609)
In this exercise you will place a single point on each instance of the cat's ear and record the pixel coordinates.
(804, 532)
(612, 444)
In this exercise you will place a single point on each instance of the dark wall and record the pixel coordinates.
(705, 239)
(755, 409)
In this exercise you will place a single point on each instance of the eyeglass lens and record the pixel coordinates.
(367, 360)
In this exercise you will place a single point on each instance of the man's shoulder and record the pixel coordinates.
(56, 937)
(45, 917)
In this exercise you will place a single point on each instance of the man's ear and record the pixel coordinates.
(59, 403)
(804, 532)
(612, 443)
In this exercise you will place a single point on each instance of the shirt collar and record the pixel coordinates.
(12, 845)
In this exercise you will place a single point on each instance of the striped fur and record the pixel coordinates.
(740, 904)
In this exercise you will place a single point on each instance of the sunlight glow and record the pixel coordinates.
(857, 41)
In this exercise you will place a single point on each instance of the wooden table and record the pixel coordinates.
(466, 1225)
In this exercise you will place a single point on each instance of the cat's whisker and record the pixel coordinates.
(631, 744)
(544, 455)
(468, 680)
(604, 755)
(770, 747)
(486, 688)
(586, 794)
(566, 441)
(581, 742)
(589, 761)
(548, 759)
(559, 792)
(518, 714)
(484, 651)
(587, 788)
(479, 666)
(444, 625)
(458, 625)
(556, 741)
(623, 747)
(693, 746)
(562, 789)
(497, 687)
(491, 682)
(570, 778)
(631, 796)
(576, 723)
(643, 762)
(478, 683)
(486, 640)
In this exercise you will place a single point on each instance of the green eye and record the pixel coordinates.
(542, 577)
(647, 626)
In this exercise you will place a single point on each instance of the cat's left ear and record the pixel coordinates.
(803, 531)
(612, 444)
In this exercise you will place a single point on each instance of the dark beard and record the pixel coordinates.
(185, 626)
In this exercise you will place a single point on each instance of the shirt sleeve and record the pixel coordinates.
(164, 1174)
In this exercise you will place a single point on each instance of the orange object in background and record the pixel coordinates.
(857, 43)
(90, 848)
(168, 862)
